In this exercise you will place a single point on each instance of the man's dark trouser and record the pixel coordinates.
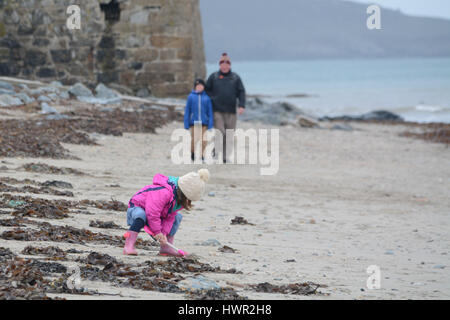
(222, 122)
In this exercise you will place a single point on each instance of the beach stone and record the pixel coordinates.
(439, 266)
(25, 98)
(7, 100)
(57, 116)
(44, 99)
(143, 93)
(47, 109)
(80, 90)
(64, 95)
(36, 92)
(23, 86)
(278, 113)
(105, 95)
(49, 89)
(212, 194)
(13, 203)
(107, 109)
(6, 85)
(343, 127)
(306, 122)
(5, 91)
(209, 242)
(152, 107)
(198, 283)
(53, 96)
(56, 84)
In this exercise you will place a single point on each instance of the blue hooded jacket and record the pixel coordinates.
(198, 108)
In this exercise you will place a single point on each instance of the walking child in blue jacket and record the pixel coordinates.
(198, 112)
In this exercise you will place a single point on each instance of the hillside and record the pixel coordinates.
(293, 29)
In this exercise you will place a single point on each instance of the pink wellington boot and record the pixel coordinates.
(167, 250)
(131, 238)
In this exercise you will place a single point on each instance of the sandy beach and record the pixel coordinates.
(341, 201)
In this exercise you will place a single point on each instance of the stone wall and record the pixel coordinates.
(127, 44)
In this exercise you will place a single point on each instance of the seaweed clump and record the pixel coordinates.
(306, 288)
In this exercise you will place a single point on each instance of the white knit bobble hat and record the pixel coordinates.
(193, 184)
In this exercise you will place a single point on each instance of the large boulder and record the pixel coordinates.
(80, 91)
(276, 113)
(46, 109)
(105, 95)
(379, 116)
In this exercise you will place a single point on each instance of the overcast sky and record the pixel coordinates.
(424, 8)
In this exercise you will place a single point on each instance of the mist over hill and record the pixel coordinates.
(304, 29)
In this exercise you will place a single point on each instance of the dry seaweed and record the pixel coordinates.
(57, 184)
(105, 205)
(104, 224)
(20, 138)
(15, 222)
(29, 189)
(10, 180)
(433, 132)
(98, 258)
(191, 265)
(19, 201)
(41, 209)
(216, 294)
(49, 232)
(43, 138)
(51, 251)
(24, 279)
(49, 267)
(240, 220)
(227, 249)
(45, 168)
(306, 288)
(6, 254)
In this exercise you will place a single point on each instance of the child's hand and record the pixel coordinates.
(161, 238)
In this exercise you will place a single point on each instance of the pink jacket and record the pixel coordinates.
(158, 201)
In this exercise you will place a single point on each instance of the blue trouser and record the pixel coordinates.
(137, 212)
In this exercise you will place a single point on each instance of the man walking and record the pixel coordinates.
(225, 89)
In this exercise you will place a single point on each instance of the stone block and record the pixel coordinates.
(61, 56)
(35, 58)
(170, 42)
(144, 55)
(46, 73)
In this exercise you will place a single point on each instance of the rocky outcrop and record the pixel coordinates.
(153, 45)
(379, 115)
(278, 113)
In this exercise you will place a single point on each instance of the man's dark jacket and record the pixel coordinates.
(225, 89)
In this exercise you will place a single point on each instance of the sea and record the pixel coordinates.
(418, 89)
